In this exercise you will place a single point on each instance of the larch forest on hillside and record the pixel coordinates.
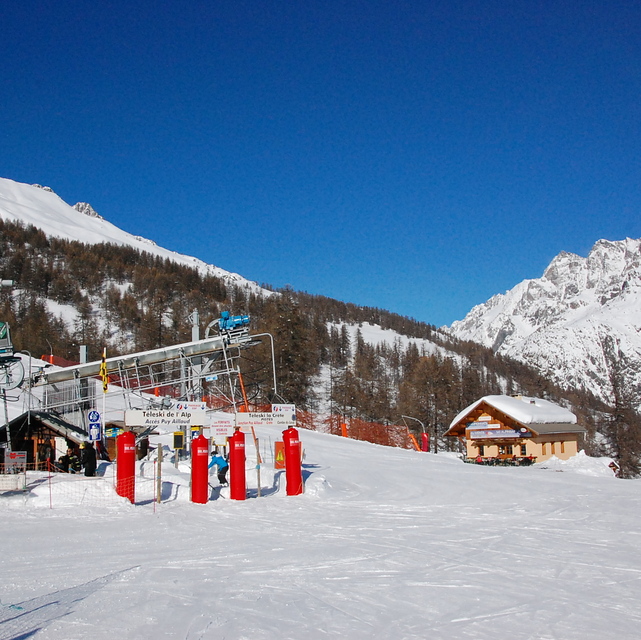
(130, 301)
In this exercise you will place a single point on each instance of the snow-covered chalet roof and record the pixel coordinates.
(523, 409)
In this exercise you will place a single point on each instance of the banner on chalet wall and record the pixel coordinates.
(497, 434)
(482, 425)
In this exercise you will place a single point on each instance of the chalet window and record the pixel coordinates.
(543, 448)
(509, 449)
(501, 449)
(481, 450)
(523, 450)
(552, 448)
(562, 446)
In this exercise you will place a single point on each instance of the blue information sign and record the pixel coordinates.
(95, 425)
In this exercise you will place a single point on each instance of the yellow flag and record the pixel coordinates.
(103, 371)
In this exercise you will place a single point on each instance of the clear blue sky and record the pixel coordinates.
(415, 156)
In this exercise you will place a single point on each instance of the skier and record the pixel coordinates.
(222, 465)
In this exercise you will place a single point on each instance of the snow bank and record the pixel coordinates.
(581, 464)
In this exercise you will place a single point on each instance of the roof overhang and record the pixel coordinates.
(57, 424)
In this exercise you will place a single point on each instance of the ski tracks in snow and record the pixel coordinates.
(25, 619)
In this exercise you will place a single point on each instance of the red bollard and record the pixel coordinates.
(126, 465)
(237, 484)
(199, 470)
(293, 462)
(425, 442)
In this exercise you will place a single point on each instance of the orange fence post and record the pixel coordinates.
(414, 440)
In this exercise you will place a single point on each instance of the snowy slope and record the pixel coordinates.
(558, 323)
(41, 207)
(375, 335)
(385, 543)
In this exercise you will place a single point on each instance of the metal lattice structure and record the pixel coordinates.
(195, 370)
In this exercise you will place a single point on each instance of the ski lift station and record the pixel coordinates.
(192, 391)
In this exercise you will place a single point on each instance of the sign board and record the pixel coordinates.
(189, 406)
(279, 454)
(93, 418)
(221, 426)
(220, 435)
(113, 432)
(15, 461)
(482, 425)
(179, 440)
(497, 434)
(248, 420)
(170, 419)
(286, 411)
(222, 420)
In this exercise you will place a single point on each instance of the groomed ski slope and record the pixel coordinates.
(385, 543)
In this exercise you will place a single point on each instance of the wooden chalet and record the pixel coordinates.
(516, 429)
(35, 431)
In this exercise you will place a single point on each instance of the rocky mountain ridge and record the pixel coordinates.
(569, 320)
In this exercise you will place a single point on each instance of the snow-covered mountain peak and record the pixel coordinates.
(565, 266)
(558, 322)
(42, 208)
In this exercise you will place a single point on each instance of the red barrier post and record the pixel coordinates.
(237, 483)
(425, 442)
(199, 470)
(126, 465)
(293, 462)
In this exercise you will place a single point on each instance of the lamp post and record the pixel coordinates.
(416, 420)
(28, 353)
(423, 432)
(271, 338)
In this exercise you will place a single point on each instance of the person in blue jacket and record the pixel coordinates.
(222, 465)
